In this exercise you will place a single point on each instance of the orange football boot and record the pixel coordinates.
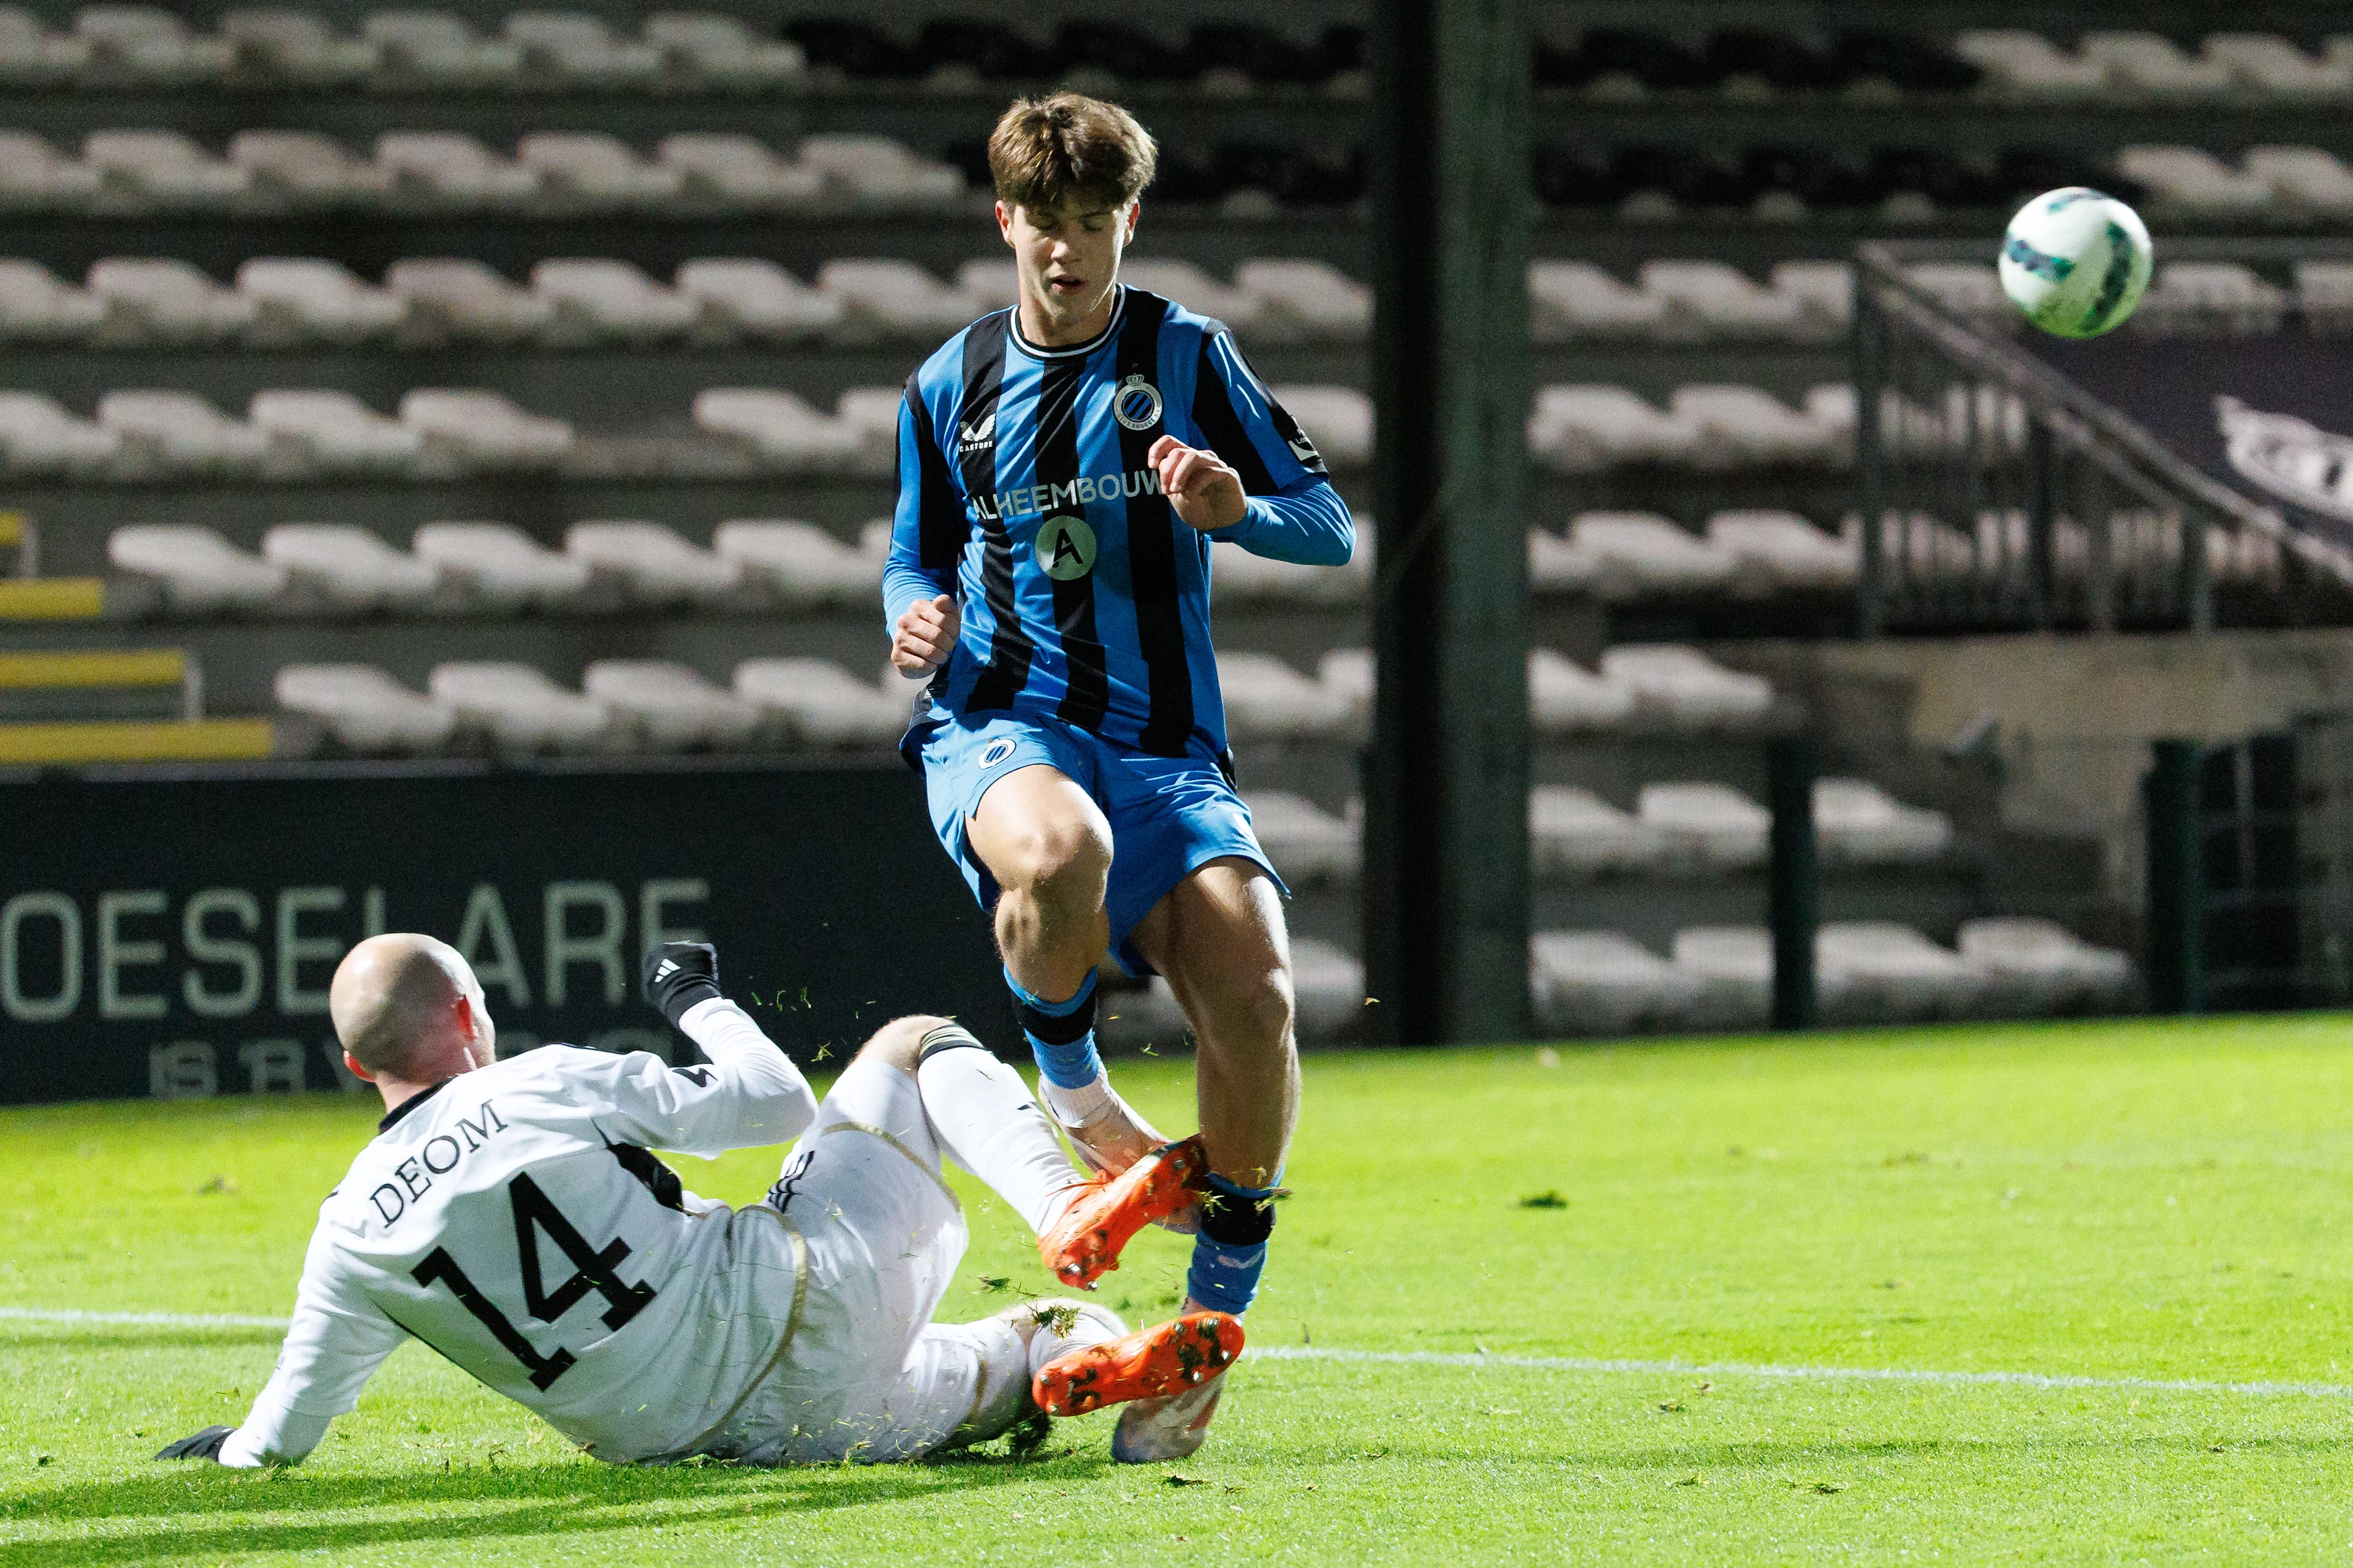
(1085, 1244)
(1167, 1358)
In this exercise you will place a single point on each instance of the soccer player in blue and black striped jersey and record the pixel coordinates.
(1064, 468)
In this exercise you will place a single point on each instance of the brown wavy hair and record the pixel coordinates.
(1047, 151)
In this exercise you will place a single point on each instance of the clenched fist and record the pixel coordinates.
(1201, 485)
(926, 634)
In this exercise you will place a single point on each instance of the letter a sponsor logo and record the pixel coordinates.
(1065, 548)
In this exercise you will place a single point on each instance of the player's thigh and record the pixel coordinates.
(1038, 823)
(1218, 937)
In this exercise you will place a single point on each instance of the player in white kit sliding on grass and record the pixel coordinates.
(511, 1215)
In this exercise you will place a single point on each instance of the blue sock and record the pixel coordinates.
(1229, 1254)
(1061, 1034)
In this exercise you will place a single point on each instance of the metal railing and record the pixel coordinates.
(1998, 495)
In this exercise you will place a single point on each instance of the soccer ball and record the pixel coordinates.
(2076, 261)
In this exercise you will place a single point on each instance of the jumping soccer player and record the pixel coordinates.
(511, 1215)
(1065, 467)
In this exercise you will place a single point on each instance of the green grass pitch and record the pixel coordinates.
(2133, 1205)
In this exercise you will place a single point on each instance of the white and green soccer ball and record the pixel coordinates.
(2076, 261)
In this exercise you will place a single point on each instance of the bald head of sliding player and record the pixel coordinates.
(410, 1014)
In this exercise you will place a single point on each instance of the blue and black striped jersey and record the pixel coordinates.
(1024, 490)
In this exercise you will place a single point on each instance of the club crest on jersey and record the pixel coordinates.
(1066, 545)
(1136, 403)
(998, 750)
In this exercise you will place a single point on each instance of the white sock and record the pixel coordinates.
(1090, 1325)
(1074, 1107)
(985, 1119)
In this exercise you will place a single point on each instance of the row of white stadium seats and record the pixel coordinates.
(1655, 686)
(292, 433)
(417, 48)
(1674, 829)
(449, 170)
(1602, 982)
(280, 301)
(624, 705)
(2028, 65)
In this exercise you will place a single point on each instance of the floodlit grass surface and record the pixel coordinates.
(2149, 1202)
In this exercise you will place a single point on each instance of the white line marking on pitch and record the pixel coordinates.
(1807, 1373)
(1470, 1359)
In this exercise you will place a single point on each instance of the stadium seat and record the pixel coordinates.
(1786, 550)
(876, 171)
(1734, 968)
(38, 437)
(653, 564)
(436, 49)
(2154, 66)
(501, 568)
(1858, 823)
(518, 709)
(2268, 64)
(465, 301)
(1299, 301)
(1586, 429)
(1824, 292)
(1266, 699)
(1575, 300)
(1183, 282)
(34, 176)
(1558, 566)
(2189, 182)
(1563, 696)
(704, 49)
(1703, 827)
(1741, 427)
(822, 706)
(2304, 179)
(197, 572)
(350, 570)
(180, 432)
(1638, 553)
(589, 168)
(149, 46)
(2020, 64)
(159, 301)
(1327, 991)
(365, 709)
(2211, 297)
(1309, 845)
(872, 412)
(1347, 674)
(468, 428)
(295, 46)
(1338, 419)
(888, 299)
(2037, 967)
(737, 172)
(1683, 688)
(667, 707)
(755, 299)
(597, 301)
(298, 301)
(1238, 574)
(302, 169)
(1726, 301)
(805, 566)
(37, 306)
(1887, 972)
(33, 56)
(993, 284)
(572, 49)
(2323, 292)
(339, 432)
(449, 169)
(1600, 982)
(1575, 834)
(162, 169)
(1964, 288)
(788, 433)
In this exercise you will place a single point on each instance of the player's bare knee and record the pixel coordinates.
(1064, 863)
(900, 1042)
(1250, 1007)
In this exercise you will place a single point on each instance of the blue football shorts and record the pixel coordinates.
(1169, 815)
